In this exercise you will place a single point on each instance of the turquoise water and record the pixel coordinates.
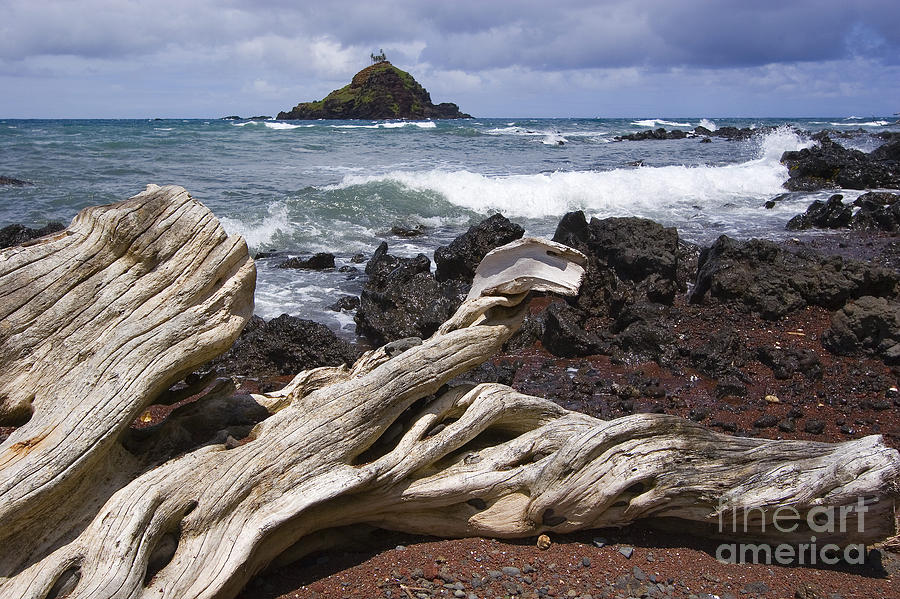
(339, 186)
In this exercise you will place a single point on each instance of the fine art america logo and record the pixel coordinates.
(786, 519)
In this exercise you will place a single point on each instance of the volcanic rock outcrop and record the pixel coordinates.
(381, 91)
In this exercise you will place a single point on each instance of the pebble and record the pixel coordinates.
(599, 542)
(586, 562)
(772, 399)
(814, 426)
(759, 588)
(511, 571)
(626, 551)
(543, 542)
(638, 574)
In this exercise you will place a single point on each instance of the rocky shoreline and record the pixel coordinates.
(791, 340)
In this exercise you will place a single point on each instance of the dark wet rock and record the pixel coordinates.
(766, 421)
(408, 232)
(319, 261)
(659, 133)
(212, 419)
(14, 182)
(346, 303)
(402, 299)
(787, 425)
(735, 133)
(380, 91)
(530, 333)
(284, 346)
(358, 258)
(772, 281)
(489, 372)
(564, 333)
(729, 427)
(888, 152)
(699, 414)
(460, 259)
(832, 214)
(829, 165)
(879, 211)
(720, 355)
(629, 259)
(641, 335)
(785, 362)
(869, 325)
(731, 385)
(19, 234)
(814, 426)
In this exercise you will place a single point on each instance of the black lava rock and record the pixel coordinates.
(14, 182)
(460, 259)
(407, 232)
(772, 282)
(284, 346)
(401, 298)
(869, 325)
(814, 426)
(564, 334)
(785, 362)
(879, 211)
(829, 165)
(345, 303)
(19, 234)
(319, 261)
(629, 260)
(832, 214)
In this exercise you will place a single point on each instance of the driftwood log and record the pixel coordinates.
(99, 320)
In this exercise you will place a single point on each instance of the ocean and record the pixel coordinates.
(339, 186)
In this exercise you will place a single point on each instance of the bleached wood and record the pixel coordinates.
(380, 443)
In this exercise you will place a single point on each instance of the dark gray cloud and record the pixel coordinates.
(257, 51)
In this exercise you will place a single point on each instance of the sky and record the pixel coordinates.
(494, 58)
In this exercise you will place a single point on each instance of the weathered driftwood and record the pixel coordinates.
(158, 288)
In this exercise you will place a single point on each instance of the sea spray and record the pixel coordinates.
(668, 193)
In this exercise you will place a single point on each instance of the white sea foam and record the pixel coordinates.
(551, 137)
(867, 124)
(656, 122)
(259, 234)
(708, 124)
(668, 193)
(284, 126)
(391, 125)
(554, 139)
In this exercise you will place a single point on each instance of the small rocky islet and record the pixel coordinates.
(380, 91)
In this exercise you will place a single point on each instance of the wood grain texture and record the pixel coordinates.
(383, 442)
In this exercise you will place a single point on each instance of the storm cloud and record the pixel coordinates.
(96, 58)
